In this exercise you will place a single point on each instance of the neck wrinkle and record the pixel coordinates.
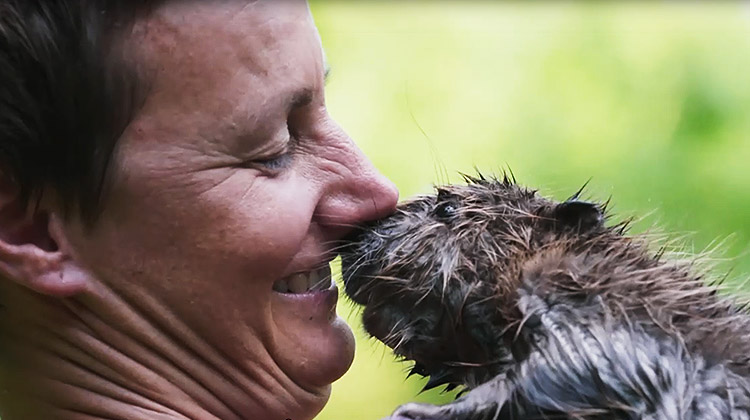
(241, 385)
(66, 359)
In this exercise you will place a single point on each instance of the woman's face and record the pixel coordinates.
(230, 188)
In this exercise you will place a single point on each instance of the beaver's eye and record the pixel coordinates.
(446, 210)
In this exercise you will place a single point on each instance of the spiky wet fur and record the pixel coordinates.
(541, 311)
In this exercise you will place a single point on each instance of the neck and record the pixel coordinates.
(79, 358)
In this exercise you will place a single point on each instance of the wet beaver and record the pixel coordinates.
(540, 310)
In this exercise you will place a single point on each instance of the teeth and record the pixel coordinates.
(322, 279)
(304, 282)
(312, 279)
(281, 286)
(298, 283)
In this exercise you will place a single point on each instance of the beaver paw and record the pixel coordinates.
(452, 411)
(483, 402)
(417, 411)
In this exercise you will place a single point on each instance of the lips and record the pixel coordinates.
(307, 282)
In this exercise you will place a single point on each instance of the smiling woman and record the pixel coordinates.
(201, 287)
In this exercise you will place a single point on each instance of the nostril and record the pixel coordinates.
(369, 234)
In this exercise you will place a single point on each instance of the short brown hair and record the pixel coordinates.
(66, 96)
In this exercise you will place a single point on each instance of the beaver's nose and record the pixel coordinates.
(367, 238)
(360, 252)
(356, 269)
(356, 242)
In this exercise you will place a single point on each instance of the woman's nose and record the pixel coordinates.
(360, 195)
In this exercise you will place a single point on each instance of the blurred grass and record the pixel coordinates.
(649, 100)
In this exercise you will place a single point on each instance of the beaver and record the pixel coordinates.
(545, 309)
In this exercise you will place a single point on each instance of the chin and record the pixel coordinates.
(340, 351)
(328, 354)
(314, 352)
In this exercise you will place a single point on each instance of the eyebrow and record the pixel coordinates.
(326, 66)
(304, 97)
(301, 98)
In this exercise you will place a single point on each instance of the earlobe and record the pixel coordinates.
(31, 255)
(47, 273)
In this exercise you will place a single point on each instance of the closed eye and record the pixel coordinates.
(276, 163)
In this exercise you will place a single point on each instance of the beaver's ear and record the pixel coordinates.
(580, 215)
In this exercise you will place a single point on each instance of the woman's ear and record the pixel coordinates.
(30, 249)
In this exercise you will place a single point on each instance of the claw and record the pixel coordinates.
(437, 379)
(450, 387)
(418, 369)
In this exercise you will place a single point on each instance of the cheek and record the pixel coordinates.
(266, 225)
(240, 234)
(209, 255)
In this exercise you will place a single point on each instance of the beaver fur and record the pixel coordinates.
(540, 310)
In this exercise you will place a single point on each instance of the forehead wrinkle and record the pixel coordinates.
(157, 38)
(255, 113)
(248, 4)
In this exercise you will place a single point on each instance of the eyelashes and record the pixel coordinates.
(282, 159)
(276, 163)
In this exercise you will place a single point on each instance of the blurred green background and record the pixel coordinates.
(651, 101)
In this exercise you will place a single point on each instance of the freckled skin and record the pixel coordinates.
(540, 310)
(231, 177)
(196, 212)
